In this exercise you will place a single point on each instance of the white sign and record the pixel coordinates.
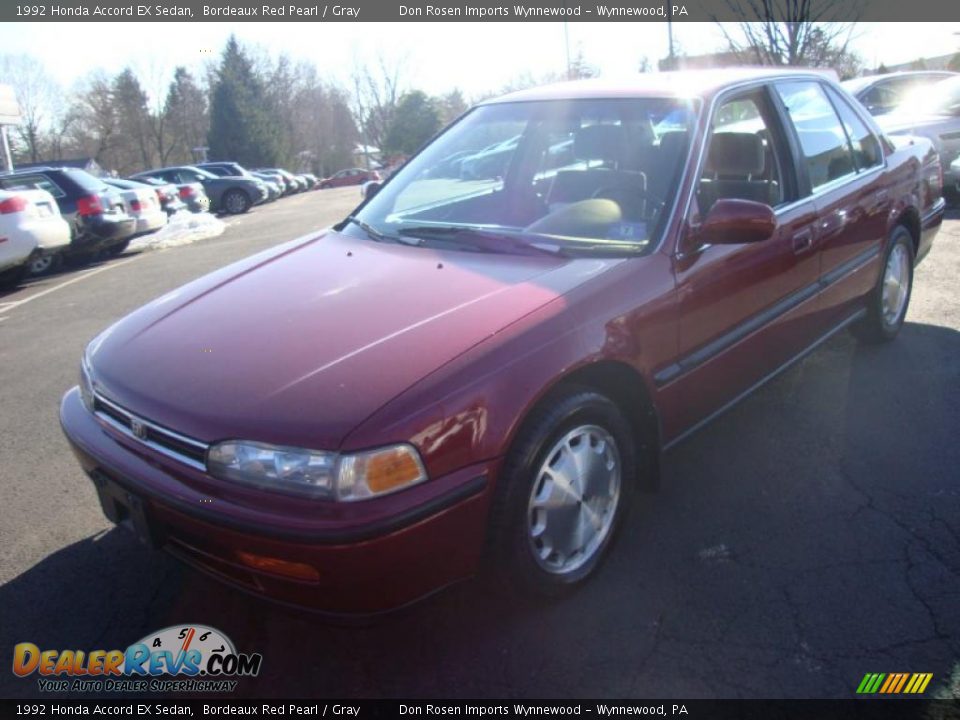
(9, 109)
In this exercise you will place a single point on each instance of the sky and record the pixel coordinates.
(477, 57)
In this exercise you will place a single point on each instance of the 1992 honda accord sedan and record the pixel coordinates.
(483, 362)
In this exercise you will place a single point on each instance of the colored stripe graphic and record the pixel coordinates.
(894, 683)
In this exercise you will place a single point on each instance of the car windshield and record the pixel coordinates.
(593, 175)
(941, 98)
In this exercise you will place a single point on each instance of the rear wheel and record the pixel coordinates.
(888, 301)
(115, 250)
(42, 264)
(562, 494)
(236, 202)
(11, 278)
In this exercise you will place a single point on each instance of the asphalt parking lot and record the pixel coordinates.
(810, 536)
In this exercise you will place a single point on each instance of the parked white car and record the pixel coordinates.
(31, 232)
(142, 204)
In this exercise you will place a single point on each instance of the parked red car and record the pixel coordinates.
(490, 368)
(350, 176)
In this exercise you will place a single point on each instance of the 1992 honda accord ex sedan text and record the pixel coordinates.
(485, 360)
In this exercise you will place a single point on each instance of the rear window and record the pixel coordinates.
(32, 182)
(86, 182)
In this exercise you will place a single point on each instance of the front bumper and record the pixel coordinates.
(951, 181)
(369, 557)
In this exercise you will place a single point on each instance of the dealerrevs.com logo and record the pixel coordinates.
(200, 658)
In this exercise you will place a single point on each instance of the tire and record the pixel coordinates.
(548, 535)
(235, 202)
(12, 277)
(887, 303)
(115, 250)
(43, 264)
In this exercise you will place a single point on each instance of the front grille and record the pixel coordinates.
(167, 442)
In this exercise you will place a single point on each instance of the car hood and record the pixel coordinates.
(300, 344)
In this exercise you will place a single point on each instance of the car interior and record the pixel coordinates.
(606, 180)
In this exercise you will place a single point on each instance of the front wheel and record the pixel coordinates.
(562, 494)
(888, 301)
(236, 202)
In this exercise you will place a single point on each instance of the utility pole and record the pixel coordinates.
(7, 157)
(566, 43)
(9, 116)
(672, 59)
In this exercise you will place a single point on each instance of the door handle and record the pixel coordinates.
(802, 241)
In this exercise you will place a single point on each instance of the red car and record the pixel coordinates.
(350, 176)
(485, 370)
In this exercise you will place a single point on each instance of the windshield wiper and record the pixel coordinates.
(375, 234)
(474, 238)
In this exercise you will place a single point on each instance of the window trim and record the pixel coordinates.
(783, 150)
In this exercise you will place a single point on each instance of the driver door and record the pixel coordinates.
(744, 308)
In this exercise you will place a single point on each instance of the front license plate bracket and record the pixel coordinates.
(124, 508)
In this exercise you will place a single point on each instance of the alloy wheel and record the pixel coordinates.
(896, 285)
(574, 500)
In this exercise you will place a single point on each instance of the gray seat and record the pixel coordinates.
(735, 168)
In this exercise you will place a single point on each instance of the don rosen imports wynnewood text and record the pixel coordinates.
(179, 11)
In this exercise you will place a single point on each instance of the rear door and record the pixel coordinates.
(844, 168)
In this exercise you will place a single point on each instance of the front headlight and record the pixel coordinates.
(315, 473)
(86, 384)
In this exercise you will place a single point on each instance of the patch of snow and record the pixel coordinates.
(183, 228)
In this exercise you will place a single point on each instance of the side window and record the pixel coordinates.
(824, 142)
(866, 146)
(34, 182)
(880, 99)
(743, 160)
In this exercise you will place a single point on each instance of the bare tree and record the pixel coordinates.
(38, 96)
(377, 89)
(93, 132)
(814, 33)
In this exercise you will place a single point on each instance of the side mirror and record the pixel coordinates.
(371, 189)
(732, 222)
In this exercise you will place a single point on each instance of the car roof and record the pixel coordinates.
(680, 84)
(866, 80)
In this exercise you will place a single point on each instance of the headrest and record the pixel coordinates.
(599, 142)
(735, 154)
(673, 144)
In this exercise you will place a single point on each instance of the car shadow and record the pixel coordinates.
(806, 537)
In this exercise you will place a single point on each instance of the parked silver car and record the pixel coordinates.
(881, 94)
(933, 112)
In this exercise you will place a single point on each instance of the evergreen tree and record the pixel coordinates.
(241, 126)
(135, 142)
(187, 118)
(415, 121)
